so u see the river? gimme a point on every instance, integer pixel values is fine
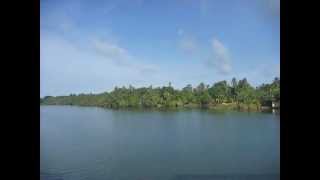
(78, 143)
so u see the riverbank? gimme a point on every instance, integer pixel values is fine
(216, 107)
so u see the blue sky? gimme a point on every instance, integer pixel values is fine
(93, 46)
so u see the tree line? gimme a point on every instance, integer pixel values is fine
(236, 94)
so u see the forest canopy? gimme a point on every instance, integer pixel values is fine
(236, 94)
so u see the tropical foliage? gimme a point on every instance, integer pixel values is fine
(237, 93)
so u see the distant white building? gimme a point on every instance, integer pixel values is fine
(275, 104)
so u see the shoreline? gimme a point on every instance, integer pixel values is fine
(219, 107)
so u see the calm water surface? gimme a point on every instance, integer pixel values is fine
(78, 143)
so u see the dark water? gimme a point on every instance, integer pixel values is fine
(80, 143)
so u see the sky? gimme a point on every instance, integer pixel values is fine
(91, 46)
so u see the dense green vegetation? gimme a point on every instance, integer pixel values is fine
(221, 95)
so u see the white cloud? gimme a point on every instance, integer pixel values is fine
(220, 58)
(66, 68)
(121, 57)
(111, 51)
